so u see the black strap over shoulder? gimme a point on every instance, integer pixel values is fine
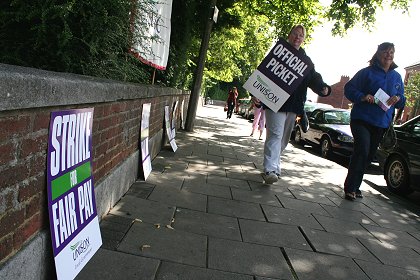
(399, 113)
(396, 116)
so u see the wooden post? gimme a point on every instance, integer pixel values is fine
(153, 76)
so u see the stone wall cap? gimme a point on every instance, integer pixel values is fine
(24, 87)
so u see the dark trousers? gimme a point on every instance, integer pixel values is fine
(231, 106)
(366, 141)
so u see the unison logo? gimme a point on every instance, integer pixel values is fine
(264, 88)
(79, 248)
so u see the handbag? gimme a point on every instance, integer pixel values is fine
(225, 108)
(389, 140)
(304, 122)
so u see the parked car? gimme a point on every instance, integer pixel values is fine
(401, 163)
(329, 129)
(309, 107)
(244, 104)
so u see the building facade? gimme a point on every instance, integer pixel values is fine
(408, 111)
(337, 98)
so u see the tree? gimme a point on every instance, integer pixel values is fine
(188, 23)
(84, 37)
(283, 15)
(237, 49)
(92, 37)
(412, 93)
(347, 13)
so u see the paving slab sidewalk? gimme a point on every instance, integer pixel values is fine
(205, 213)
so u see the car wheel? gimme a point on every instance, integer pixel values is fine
(397, 175)
(298, 136)
(326, 148)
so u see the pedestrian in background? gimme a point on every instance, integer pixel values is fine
(280, 124)
(231, 101)
(259, 116)
(368, 120)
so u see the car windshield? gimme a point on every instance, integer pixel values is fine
(310, 107)
(337, 117)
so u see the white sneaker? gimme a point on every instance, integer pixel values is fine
(270, 177)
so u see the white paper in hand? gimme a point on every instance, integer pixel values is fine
(381, 97)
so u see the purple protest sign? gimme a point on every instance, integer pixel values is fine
(72, 212)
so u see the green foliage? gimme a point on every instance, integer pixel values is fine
(283, 15)
(185, 34)
(235, 51)
(412, 92)
(188, 21)
(84, 37)
(347, 13)
(216, 93)
(92, 37)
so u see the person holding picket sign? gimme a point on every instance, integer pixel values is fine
(279, 125)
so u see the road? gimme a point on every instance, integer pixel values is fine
(373, 178)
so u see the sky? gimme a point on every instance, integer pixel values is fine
(336, 56)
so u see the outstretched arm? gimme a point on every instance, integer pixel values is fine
(318, 85)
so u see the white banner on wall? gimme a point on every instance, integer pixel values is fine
(154, 50)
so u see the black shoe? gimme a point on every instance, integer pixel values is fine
(349, 196)
(359, 194)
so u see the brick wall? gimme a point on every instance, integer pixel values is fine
(408, 112)
(24, 135)
(337, 98)
(23, 142)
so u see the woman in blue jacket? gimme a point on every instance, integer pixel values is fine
(369, 121)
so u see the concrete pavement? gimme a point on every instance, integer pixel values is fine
(204, 213)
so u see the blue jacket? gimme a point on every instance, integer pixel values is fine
(368, 81)
(295, 103)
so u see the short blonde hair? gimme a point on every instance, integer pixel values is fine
(296, 26)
